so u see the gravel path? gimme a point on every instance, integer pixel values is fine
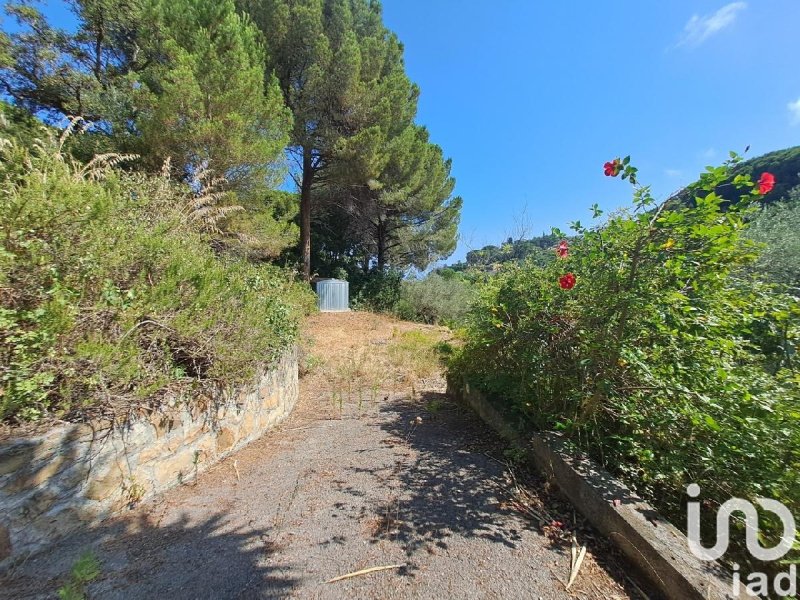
(407, 478)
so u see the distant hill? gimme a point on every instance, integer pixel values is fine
(538, 248)
(784, 164)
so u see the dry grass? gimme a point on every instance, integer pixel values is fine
(359, 357)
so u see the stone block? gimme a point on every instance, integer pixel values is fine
(206, 447)
(103, 487)
(193, 432)
(39, 503)
(164, 424)
(249, 425)
(14, 458)
(264, 420)
(156, 451)
(174, 469)
(5, 543)
(33, 477)
(139, 435)
(226, 438)
(74, 476)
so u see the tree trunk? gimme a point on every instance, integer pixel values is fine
(305, 213)
(381, 244)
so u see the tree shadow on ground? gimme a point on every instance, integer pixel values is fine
(450, 486)
(456, 484)
(140, 559)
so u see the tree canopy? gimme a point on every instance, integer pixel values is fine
(231, 88)
(342, 75)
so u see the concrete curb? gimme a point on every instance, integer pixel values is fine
(658, 550)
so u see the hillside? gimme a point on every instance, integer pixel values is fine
(784, 164)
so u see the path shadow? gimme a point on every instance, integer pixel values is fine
(456, 485)
(138, 559)
(450, 486)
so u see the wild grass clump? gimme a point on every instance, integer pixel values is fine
(110, 291)
(414, 355)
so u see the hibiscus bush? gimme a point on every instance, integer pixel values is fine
(650, 347)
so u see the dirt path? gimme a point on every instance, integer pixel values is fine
(374, 467)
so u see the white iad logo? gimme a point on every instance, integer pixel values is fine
(751, 527)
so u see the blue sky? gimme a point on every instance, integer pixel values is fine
(529, 98)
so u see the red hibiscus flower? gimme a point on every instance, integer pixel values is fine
(563, 249)
(612, 168)
(766, 183)
(567, 282)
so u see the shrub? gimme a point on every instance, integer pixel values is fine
(776, 227)
(109, 291)
(435, 299)
(646, 346)
(378, 291)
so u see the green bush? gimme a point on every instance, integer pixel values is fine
(435, 299)
(663, 361)
(777, 227)
(109, 290)
(377, 291)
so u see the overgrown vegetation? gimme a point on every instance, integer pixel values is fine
(110, 291)
(373, 357)
(232, 88)
(439, 298)
(136, 255)
(654, 345)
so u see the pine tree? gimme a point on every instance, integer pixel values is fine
(342, 76)
(415, 214)
(161, 78)
(209, 104)
(405, 216)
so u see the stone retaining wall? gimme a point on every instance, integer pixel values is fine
(75, 475)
